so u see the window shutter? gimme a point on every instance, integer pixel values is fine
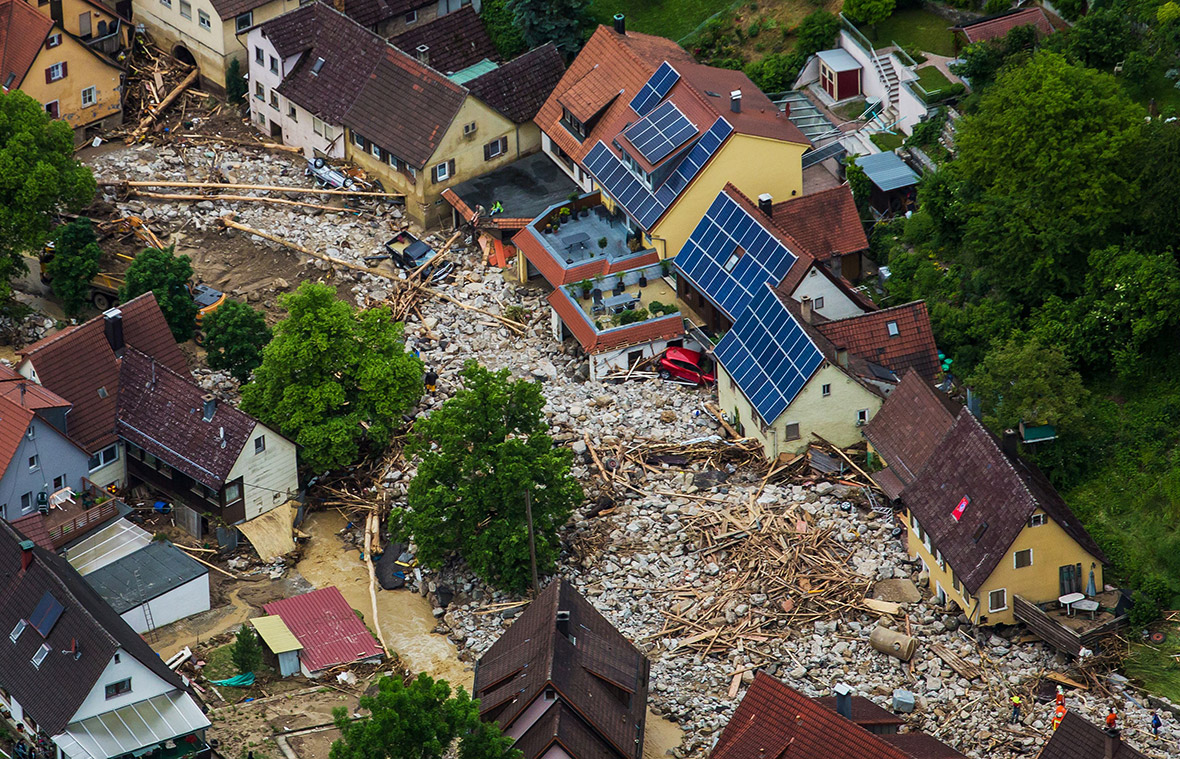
(49, 75)
(65, 70)
(503, 145)
(487, 152)
(451, 169)
(434, 174)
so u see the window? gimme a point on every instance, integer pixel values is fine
(8, 80)
(1036, 520)
(274, 65)
(941, 561)
(862, 416)
(51, 109)
(318, 66)
(89, 95)
(55, 72)
(469, 129)
(260, 444)
(791, 431)
(31, 432)
(53, 41)
(317, 125)
(259, 91)
(412, 17)
(997, 600)
(259, 56)
(572, 124)
(358, 140)
(893, 330)
(979, 532)
(116, 658)
(233, 492)
(186, 9)
(39, 657)
(292, 113)
(495, 148)
(274, 100)
(26, 503)
(107, 455)
(376, 151)
(443, 171)
(34, 463)
(817, 303)
(203, 20)
(328, 133)
(244, 22)
(826, 390)
(16, 631)
(1022, 559)
(166, 3)
(119, 688)
(59, 482)
(734, 257)
(102, 392)
(955, 581)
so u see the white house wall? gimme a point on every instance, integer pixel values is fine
(145, 684)
(178, 603)
(580, 178)
(837, 304)
(269, 478)
(299, 131)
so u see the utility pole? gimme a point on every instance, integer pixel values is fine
(528, 511)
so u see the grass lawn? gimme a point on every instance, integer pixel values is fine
(887, 142)
(933, 80)
(673, 19)
(1154, 666)
(1161, 90)
(220, 666)
(914, 28)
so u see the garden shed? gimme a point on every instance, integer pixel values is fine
(839, 73)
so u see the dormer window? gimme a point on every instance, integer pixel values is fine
(572, 124)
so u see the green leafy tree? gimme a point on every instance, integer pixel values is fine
(481, 452)
(235, 335)
(235, 83)
(1154, 172)
(562, 22)
(246, 653)
(869, 12)
(419, 719)
(74, 264)
(167, 275)
(1070, 9)
(858, 182)
(1031, 213)
(1023, 380)
(332, 378)
(1102, 38)
(502, 28)
(38, 179)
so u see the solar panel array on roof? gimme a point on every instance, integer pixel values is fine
(45, 616)
(768, 355)
(622, 185)
(730, 256)
(655, 89)
(661, 132)
(698, 155)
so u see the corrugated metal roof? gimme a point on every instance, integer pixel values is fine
(328, 628)
(887, 171)
(838, 60)
(277, 636)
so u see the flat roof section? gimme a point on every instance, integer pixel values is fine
(161, 567)
(108, 545)
(525, 188)
(838, 60)
(887, 171)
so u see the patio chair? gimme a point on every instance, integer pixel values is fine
(597, 307)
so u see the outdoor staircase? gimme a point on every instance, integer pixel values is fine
(888, 75)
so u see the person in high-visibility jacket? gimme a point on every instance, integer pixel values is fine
(1015, 709)
(1060, 696)
(1058, 715)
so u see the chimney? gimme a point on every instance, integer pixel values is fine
(766, 204)
(26, 554)
(842, 357)
(424, 54)
(113, 328)
(735, 101)
(620, 23)
(844, 701)
(1113, 740)
(1009, 444)
(805, 309)
(563, 622)
(209, 407)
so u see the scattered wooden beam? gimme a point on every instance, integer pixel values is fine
(258, 187)
(230, 575)
(962, 668)
(371, 527)
(154, 113)
(242, 199)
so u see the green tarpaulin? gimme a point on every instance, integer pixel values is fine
(238, 681)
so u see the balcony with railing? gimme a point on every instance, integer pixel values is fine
(109, 40)
(84, 510)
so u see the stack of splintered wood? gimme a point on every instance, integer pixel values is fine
(777, 568)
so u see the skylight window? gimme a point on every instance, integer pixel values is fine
(319, 64)
(733, 259)
(893, 330)
(979, 532)
(16, 631)
(39, 657)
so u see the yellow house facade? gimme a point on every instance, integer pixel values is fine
(90, 21)
(73, 82)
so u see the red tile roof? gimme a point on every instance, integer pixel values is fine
(908, 429)
(773, 718)
(78, 364)
(922, 746)
(162, 412)
(405, 107)
(1075, 738)
(864, 711)
(327, 627)
(518, 88)
(868, 335)
(22, 31)
(826, 222)
(27, 393)
(32, 526)
(592, 341)
(14, 422)
(455, 41)
(994, 28)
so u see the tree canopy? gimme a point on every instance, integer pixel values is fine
(167, 275)
(419, 719)
(235, 335)
(481, 452)
(246, 652)
(333, 379)
(38, 179)
(1024, 381)
(562, 22)
(74, 264)
(870, 12)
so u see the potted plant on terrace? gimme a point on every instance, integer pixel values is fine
(563, 215)
(586, 286)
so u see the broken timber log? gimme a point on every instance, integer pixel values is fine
(240, 199)
(258, 187)
(154, 113)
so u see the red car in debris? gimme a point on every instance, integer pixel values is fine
(686, 365)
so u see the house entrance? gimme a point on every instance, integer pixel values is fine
(1070, 577)
(276, 131)
(182, 54)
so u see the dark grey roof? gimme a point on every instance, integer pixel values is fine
(161, 567)
(52, 693)
(520, 87)
(525, 188)
(455, 41)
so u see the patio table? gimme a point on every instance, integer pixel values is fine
(1087, 605)
(617, 303)
(578, 238)
(1069, 599)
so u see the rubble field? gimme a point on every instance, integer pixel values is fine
(649, 562)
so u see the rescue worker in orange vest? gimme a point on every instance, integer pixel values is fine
(1060, 696)
(1058, 715)
(1111, 719)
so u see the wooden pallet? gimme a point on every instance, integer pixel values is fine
(962, 668)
